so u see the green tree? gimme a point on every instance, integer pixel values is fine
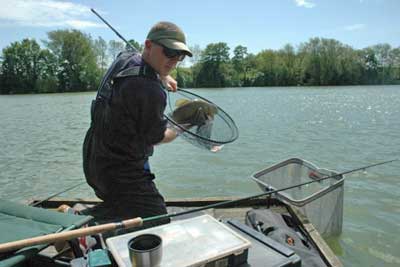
(383, 53)
(351, 67)
(47, 82)
(214, 70)
(100, 49)
(251, 73)
(184, 77)
(311, 62)
(238, 63)
(266, 66)
(395, 55)
(114, 48)
(329, 51)
(370, 66)
(196, 51)
(135, 44)
(321, 62)
(76, 60)
(21, 67)
(286, 66)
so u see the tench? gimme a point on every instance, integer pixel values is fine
(193, 112)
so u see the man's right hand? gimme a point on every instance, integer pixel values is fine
(169, 83)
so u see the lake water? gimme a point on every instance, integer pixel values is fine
(338, 128)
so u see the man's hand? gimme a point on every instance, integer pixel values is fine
(169, 83)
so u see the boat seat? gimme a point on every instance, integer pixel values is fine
(18, 221)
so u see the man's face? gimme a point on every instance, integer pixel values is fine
(158, 60)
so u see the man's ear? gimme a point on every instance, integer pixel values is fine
(148, 44)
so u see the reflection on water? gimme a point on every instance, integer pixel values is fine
(334, 244)
(338, 128)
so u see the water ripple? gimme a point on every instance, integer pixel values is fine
(338, 128)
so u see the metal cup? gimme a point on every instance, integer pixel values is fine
(145, 250)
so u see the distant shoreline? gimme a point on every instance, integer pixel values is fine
(26, 67)
(220, 88)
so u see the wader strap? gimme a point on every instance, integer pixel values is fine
(132, 71)
(142, 71)
(121, 62)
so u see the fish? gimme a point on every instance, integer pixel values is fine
(196, 112)
(193, 112)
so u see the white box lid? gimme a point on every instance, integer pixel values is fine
(190, 242)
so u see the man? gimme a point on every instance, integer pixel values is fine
(127, 121)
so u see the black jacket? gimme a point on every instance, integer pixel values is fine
(127, 120)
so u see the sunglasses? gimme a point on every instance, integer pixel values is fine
(172, 53)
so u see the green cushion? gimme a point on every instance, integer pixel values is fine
(19, 221)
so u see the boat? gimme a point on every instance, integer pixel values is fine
(235, 212)
(258, 224)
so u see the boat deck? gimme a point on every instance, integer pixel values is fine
(236, 211)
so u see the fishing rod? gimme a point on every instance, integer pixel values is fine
(136, 222)
(134, 49)
(114, 30)
(270, 192)
(56, 194)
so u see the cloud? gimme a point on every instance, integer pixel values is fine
(354, 27)
(45, 13)
(304, 3)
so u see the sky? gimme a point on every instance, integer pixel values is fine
(255, 24)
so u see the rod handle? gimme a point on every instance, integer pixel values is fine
(68, 235)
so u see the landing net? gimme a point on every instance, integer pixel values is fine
(201, 122)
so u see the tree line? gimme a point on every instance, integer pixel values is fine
(318, 62)
(72, 61)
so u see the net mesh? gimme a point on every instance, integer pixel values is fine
(321, 202)
(201, 122)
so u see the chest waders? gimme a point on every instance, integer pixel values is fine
(101, 109)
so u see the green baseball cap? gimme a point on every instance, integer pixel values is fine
(169, 35)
